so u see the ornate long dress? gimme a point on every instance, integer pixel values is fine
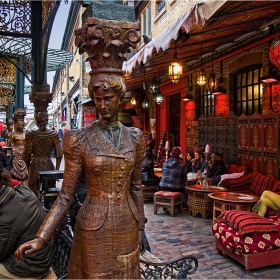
(105, 244)
(37, 151)
(19, 170)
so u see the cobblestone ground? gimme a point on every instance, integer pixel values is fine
(183, 235)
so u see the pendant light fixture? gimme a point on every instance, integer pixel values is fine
(213, 82)
(145, 104)
(188, 96)
(175, 70)
(201, 78)
(159, 97)
(133, 99)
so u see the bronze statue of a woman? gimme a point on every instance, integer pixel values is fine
(109, 229)
(16, 140)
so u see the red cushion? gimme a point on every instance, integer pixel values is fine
(276, 186)
(247, 223)
(260, 183)
(233, 168)
(169, 194)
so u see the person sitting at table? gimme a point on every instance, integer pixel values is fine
(200, 161)
(148, 177)
(174, 175)
(216, 168)
(268, 199)
(189, 160)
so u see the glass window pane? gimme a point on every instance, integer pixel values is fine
(244, 97)
(144, 23)
(149, 20)
(256, 92)
(250, 91)
(250, 103)
(238, 80)
(256, 76)
(244, 82)
(256, 106)
(238, 94)
(249, 80)
(244, 107)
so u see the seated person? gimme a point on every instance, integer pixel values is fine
(189, 160)
(267, 199)
(200, 161)
(174, 175)
(148, 177)
(216, 168)
(21, 216)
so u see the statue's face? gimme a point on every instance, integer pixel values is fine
(20, 126)
(42, 121)
(107, 103)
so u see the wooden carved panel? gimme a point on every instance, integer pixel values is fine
(255, 163)
(243, 136)
(231, 137)
(270, 167)
(243, 159)
(256, 137)
(270, 133)
(220, 136)
(211, 135)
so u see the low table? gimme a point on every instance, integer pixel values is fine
(198, 200)
(224, 201)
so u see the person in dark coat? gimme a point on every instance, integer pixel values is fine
(148, 177)
(200, 162)
(3, 158)
(174, 175)
(20, 219)
(216, 168)
(189, 160)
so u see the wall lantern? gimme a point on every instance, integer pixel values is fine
(213, 82)
(201, 78)
(175, 70)
(145, 104)
(269, 79)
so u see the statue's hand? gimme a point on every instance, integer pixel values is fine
(142, 242)
(29, 247)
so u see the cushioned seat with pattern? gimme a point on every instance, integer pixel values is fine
(250, 239)
(168, 200)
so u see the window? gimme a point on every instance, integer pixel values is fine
(248, 91)
(160, 5)
(145, 23)
(207, 101)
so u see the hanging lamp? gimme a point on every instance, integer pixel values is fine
(188, 95)
(201, 78)
(133, 99)
(175, 70)
(159, 97)
(213, 82)
(145, 104)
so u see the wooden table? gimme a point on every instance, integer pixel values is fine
(224, 201)
(158, 172)
(198, 200)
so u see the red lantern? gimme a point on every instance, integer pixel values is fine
(274, 52)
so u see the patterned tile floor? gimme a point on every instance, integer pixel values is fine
(183, 234)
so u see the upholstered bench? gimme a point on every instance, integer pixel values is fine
(168, 200)
(148, 191)
(248, 238)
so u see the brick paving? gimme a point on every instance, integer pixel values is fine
(182, 235)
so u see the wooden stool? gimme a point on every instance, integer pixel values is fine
(168, 200)
(148, 191)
